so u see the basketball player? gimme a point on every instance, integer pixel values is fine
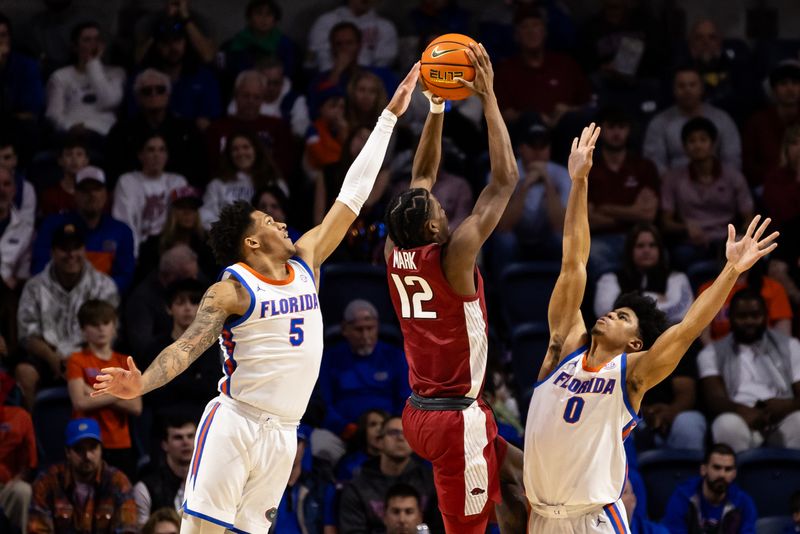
(266, 308)
(591, 386)
(437, 292)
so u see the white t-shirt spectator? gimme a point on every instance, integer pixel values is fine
(675, 301)
(220, 193)
(141, 202)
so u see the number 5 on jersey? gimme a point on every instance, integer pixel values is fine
(296, 334)
(413, 309)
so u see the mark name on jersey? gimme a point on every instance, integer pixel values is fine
(271, 308)
(404, 259)
(593, 385)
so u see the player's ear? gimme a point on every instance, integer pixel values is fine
(432, 227)
(635, 345)
(251, 242)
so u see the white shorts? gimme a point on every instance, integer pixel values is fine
(241, 463)
(610, 519)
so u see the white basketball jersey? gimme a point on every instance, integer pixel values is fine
(577, 423)
(273, 351)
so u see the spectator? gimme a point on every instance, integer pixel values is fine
(84, 96)
(83, 494)
(246, 167)
(272, 200)
(361, 371)
(60, 197)
(751, 379)
(764, 132)
(98, 322)
(152, 91)
(645, 268)
(176, 16)
(438, 17)
(547, 83)
(379, 48)
(327, 134)
(260, 40)
(48, 325)
(402, 512)
(712, 502)
(663, 141)
(281, 101)
(24, 193)
(639, 524)
(163, 521)
(782, 185)
(623, 190)
(141, 197)
(531, 226)
(700, 199)
(109, 242)
(146, 314)
(162, 487)
(17, 458)
(16, 235)
(497, 394)
(361, 507)
(195, 91)
(363, 445)
(47, 36)
(784, 264)
(366, 98)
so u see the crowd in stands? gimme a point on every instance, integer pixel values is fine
(117, 153)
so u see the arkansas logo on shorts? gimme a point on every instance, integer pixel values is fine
(271, 514)
(477, 491)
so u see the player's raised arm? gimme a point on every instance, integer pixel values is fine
(220, 301)
(646, 369)
(318, 243)
(429, 150)
(567, 329)
(471, 234)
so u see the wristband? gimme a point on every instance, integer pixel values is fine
(435, 108)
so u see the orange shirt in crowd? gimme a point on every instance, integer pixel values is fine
(17, 442)
(113, 423)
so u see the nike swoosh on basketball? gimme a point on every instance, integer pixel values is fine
(439, 53)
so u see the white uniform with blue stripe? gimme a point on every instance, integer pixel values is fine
(575, 462)
(247, 439)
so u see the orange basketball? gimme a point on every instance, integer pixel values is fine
(443, 60)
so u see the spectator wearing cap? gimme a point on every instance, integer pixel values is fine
(547, 83)
(531, 226)
(623, 190)
(273, 132)
(48, 324)
(109, 242)
(60, 196)
(195, 90)
(700, 199)
(17, 457)
(82, 494)
(141, 197)
(361, 372)
(16, 236)
(178, 17)
(762, 136)
(24, 193)
(84, 96)
(662, 140)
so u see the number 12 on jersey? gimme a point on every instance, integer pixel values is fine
(413, 309)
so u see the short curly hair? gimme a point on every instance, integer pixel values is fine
(227, 233)
(652, 321)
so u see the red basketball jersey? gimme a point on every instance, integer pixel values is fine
(445, 333)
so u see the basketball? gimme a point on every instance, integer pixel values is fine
(443, 60)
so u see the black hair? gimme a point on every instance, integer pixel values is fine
(529, 11)
(173, 419)
(652, 321)
(686, 67)
(189, 287)
(142, 141)
(7, 141)
(386, 422)
(96, 312)
(5, 21)
(74, 140)
(719, 448)
(227, 233)
(273, 6)
(359, 440)
(406, 216)
(401, 489)
(630, 277)
(613, 115)
(747, 294)
(698, 124)
(77, 30)
(349, 26)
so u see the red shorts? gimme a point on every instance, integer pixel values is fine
(466, 454)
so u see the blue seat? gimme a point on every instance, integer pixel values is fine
(528, 349)
(769, 476)
(344, 282)
(773, 525)
(525, 290)
(52, 410)
(662, 470)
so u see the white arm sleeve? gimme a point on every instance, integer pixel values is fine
(362, 173)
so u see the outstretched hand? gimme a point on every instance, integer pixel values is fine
(749, 249)
(121, 383)
(483, 83)
(580, 158)
(402, 96)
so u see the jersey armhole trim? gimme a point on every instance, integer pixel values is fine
(625, 398)
(305, 266)
(252, 306)
(569, 357)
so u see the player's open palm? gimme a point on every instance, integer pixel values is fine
(402, 96)
(580, 158)
(749, 249)
(483, 83)
(121, 383)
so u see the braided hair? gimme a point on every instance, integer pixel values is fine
(406, 216)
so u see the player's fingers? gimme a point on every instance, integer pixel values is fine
(769, 239)
(584, 136)
(595, 135)
(113, 371)
(465, 82)
(575, 144)
(132, 364)
(762, 229)
(99, 393)
(752, 227)
(764, 252)
(731, 233)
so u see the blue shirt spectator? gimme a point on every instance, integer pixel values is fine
(21, 90)
(361, 373)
